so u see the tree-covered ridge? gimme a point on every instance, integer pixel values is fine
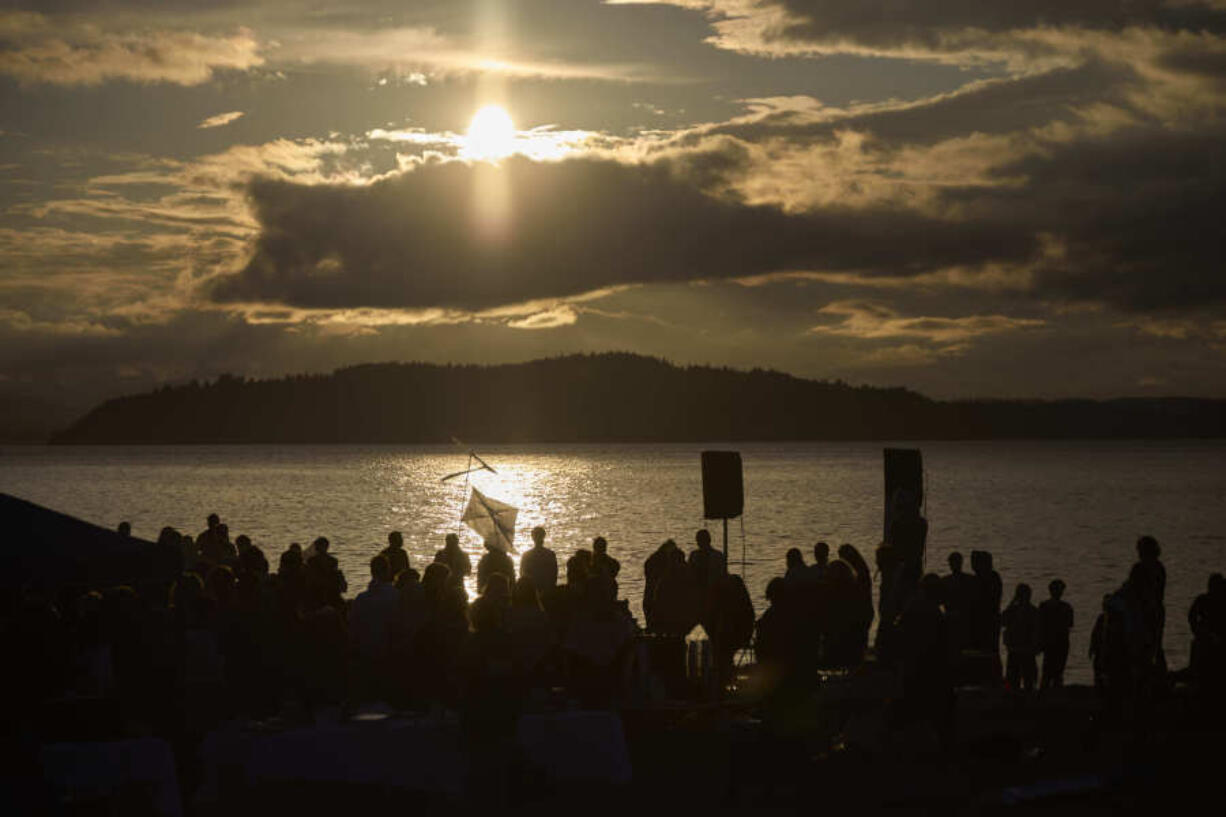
(605, 397)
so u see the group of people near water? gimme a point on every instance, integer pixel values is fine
(230, 636)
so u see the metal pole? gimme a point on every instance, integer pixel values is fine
(725, 544)
(464, 498)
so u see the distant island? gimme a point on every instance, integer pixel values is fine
(610, 397)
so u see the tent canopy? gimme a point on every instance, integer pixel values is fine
(47, 547)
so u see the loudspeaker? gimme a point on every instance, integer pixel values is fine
(723, 492)
(904, 471)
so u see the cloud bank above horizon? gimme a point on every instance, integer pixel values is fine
(967, 199)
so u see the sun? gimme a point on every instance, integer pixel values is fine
(491, 134)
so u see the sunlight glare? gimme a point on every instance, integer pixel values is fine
(491, 134)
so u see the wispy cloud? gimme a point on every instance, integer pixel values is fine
(871, 321)
(421, 52)
(38, 49)
(221, 119)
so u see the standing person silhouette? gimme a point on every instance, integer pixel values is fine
(1021, 625)
(1055, 621)
(1149, 576)
(456, 560)
(901, 560)
(654, 568)
(708, 568)
(540, 564)
(602, 561)
(706, 562)
(397, 559)
(989, 593)
(1207, 620)
(821, 558)
(958, 592)
(495, 561)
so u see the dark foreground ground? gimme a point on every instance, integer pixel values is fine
(830, 751)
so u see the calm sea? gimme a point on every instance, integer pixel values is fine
(1045, 509)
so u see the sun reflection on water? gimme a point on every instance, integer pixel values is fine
(537, 489)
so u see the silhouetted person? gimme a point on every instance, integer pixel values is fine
(227, 549)
(777, 644)
(988, 597)
(602, 561)
(205, 540)
(491, 692)
(434, 581)
(1021, 628)
(124, 529)
(413, 606)
(1149, 579)
(597, 643)
(677, 605)
(806, 602)
(1098, 645)
(397, 559)
(864, 585)
(843, 606)
(1138, 610)
(583, 565)
(403, 683)
(489, 612)
(455, 558)
(1055, 621)
(732, 624)
(706, 563)
(252, 562)
(539, 563)
(821, 558)
(531, 633)
(495, 560)
(324, 581)
(209, 541)
(373, 619)
(959, 592)
(439, 645)
(189, 553)
(797, 572)
(654, 568)
(1207, 620)
(289, 589)
(923, 650)
(902, 558)
(167, 560)
(562, 602)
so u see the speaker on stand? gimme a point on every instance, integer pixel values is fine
(723, 489)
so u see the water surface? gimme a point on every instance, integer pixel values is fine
(1045, 509)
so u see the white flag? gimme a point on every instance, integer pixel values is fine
(494, 521)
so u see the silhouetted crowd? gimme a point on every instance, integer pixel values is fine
(231, 637)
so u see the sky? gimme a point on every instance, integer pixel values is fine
(970, 199)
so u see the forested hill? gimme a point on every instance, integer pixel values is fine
(607, 397)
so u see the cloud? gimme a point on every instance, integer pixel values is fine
(1022, 34)
(563, 315)
(221, 119)
(872, 321)
(416, 239)
(37, 49)
(422, 52)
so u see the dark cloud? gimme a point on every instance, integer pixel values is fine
(571, 227)
(942, 26)
(1139, 213)
(892, 20)
(994, 106)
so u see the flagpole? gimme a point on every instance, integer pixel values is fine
(464, 496)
